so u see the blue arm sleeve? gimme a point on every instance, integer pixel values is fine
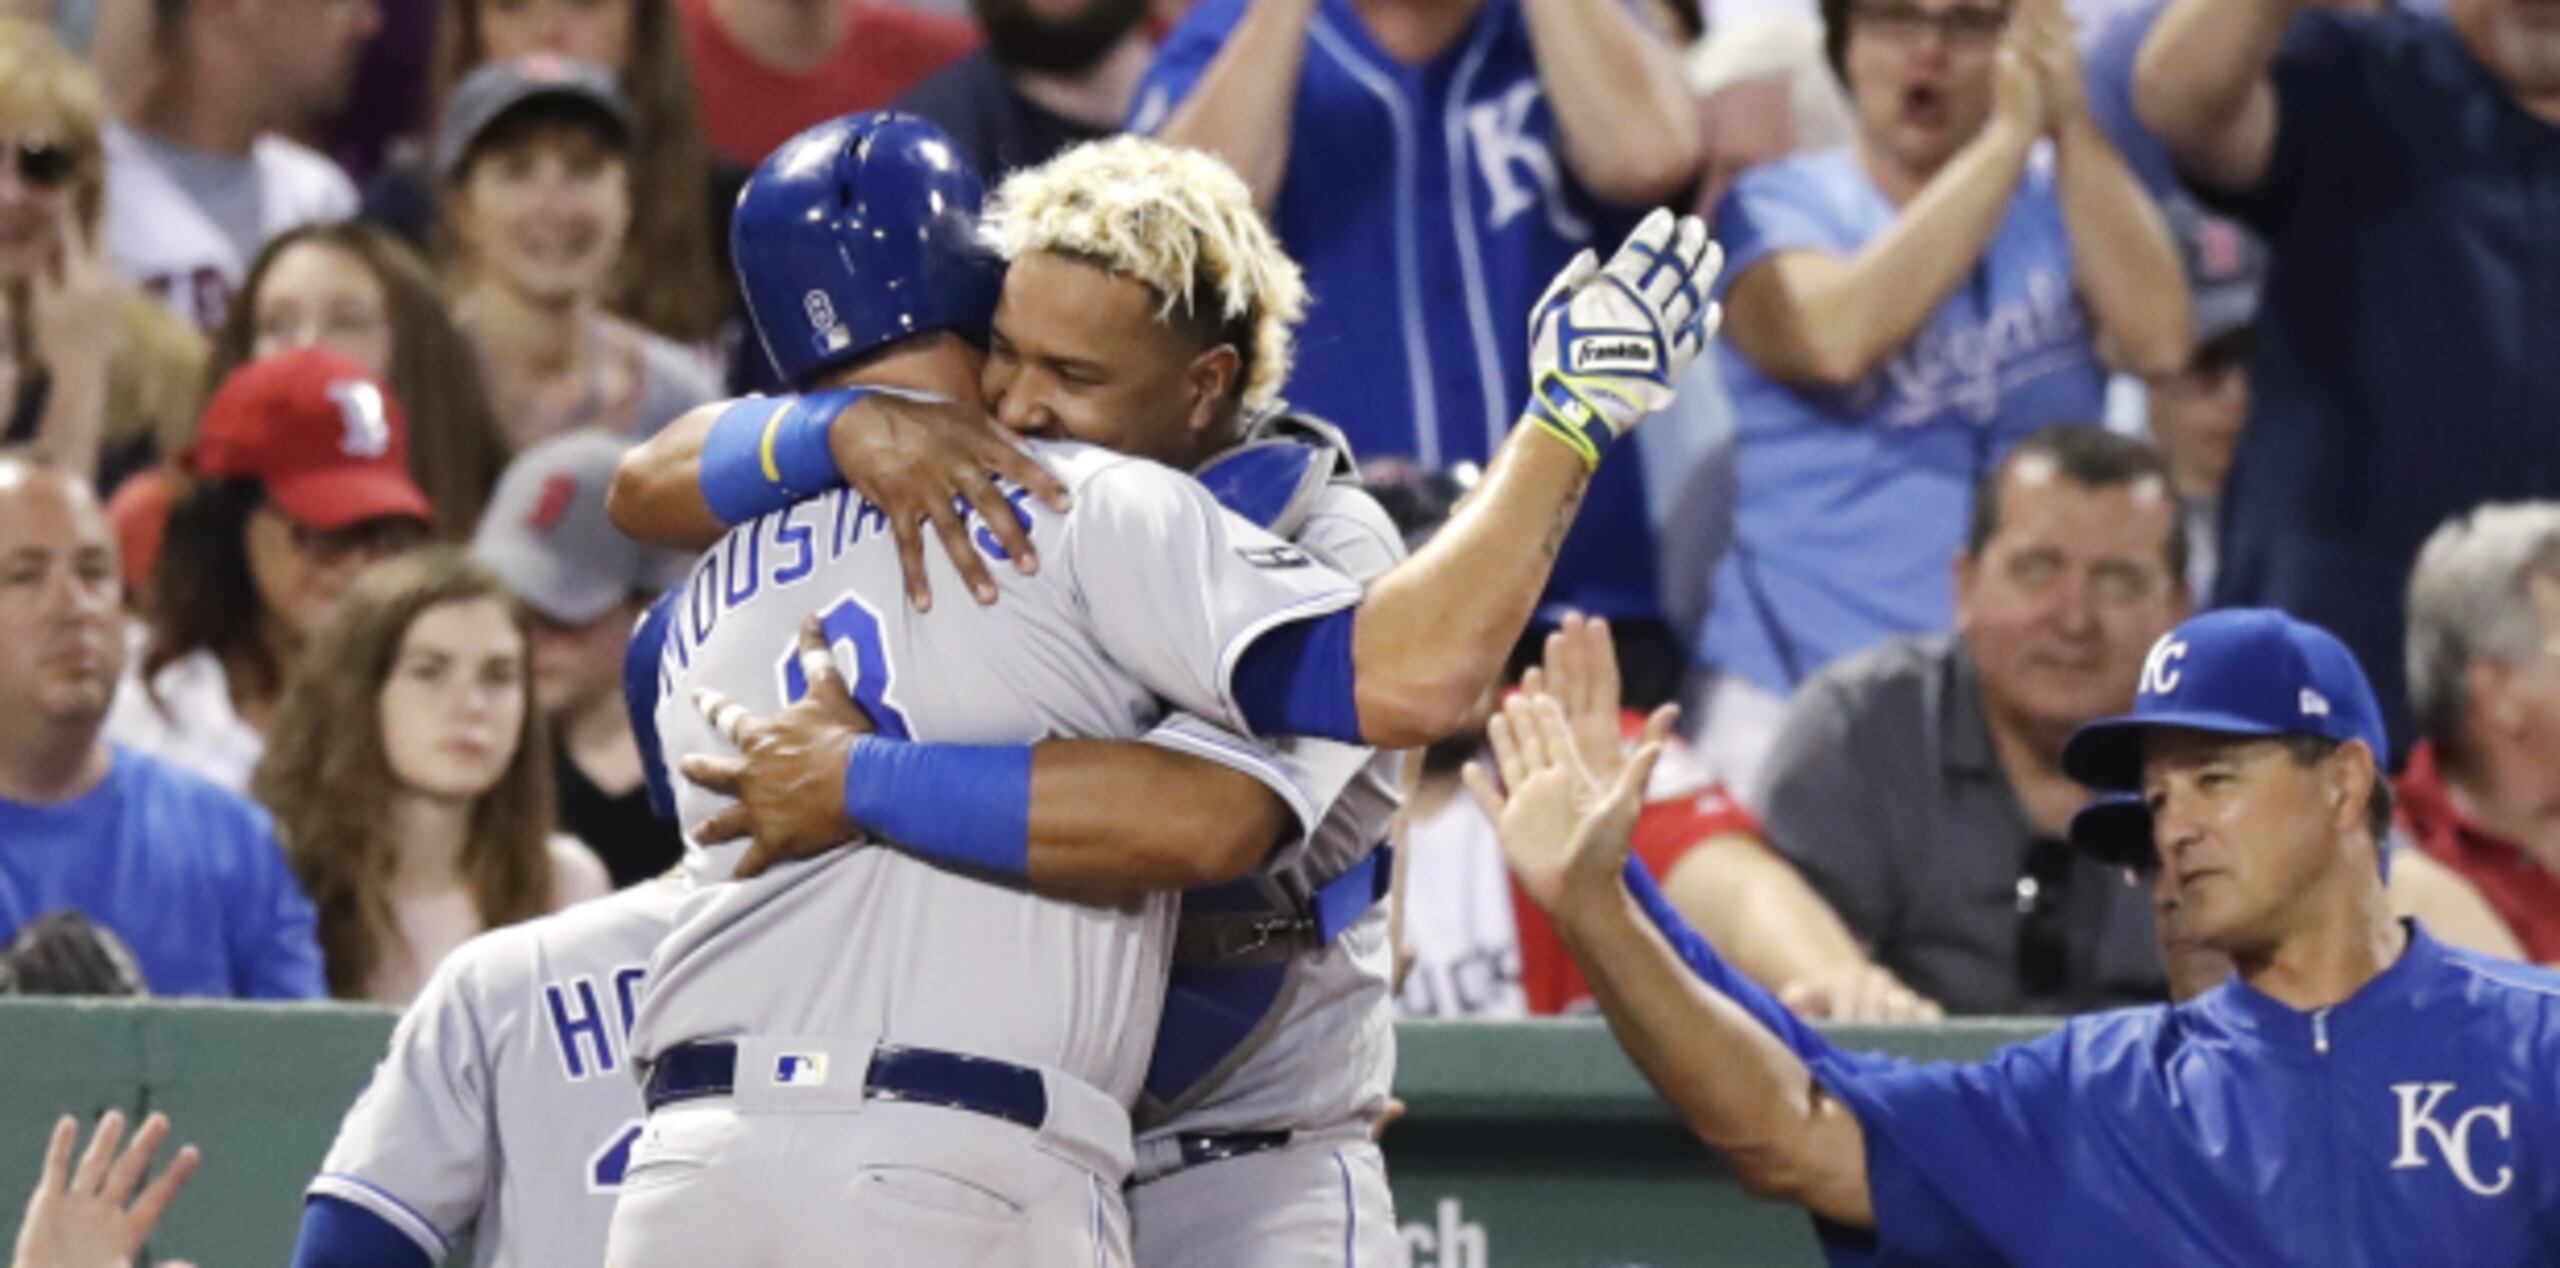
(1297, 679)
(959, 804)
(765, 453)
(338, 1234)
(1710, 968)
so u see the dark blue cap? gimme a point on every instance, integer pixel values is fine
(2240, 671)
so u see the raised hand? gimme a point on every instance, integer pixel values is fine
(1606, 343)
(1564, 833)
(2051, 48)
(82, 1218)
(788, 777)
(1581, 671)
(72, 300)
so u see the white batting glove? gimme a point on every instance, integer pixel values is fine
(1607, 343)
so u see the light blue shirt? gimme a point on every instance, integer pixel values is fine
(1853, 502)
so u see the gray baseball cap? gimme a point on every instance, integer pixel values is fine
(545, 533)
(497, 89)
(2226, 267)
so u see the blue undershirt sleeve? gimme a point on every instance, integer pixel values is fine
(1298, 680)
(340, 1234)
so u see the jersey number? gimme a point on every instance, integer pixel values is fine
(852, 621)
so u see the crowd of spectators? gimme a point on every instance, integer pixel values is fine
(2046, 324)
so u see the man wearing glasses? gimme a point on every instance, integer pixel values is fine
(1906, 308)
(2357, 1093)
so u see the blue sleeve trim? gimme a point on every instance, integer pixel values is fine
(340, 1234)
(765, 453)
(963, 805)
(1297, 679)
(1710, 968)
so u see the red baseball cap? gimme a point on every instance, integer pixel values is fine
(326, 439)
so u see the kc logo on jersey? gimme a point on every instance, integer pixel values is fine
(2418, 1124)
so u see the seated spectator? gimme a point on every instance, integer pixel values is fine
(1919, 784)
(1049, 77)
(2194, 412)
(2482, 790)
(410, 776)
(2396, 165)
(1431, 167)
(300, 481)
(768, 68)
(534, 159)
(673, 275)
(188, 875)
(199, 173)
(88, 365)
(355, 290)
(1898, 314)
(585, 586)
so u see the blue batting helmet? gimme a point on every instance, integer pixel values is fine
(857, 233)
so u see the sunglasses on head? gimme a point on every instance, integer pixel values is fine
(44, 164)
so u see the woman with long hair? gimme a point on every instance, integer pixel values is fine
(410, 777)
(299, 481)
(364, 294)
(535, 160)
(672, 276)
(89, 366)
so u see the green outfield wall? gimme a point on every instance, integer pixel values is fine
(1527, 1143)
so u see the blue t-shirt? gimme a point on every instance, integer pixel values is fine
(186, 872)
(2416, 1123)
(1430, 206)
(2408, 340)
(2107, 52)
(1853, 502)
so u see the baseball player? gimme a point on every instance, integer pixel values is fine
(1030, 1013)
(2357, 1093)
(506, 1107)
(1278, 1042)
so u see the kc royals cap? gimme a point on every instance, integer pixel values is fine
(546, 535)
(2241, 671)
(326, 439)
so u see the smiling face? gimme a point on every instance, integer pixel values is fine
(2068, 594)
(1079, 353)
(1920, 75)
(454, 707)
(543, 210)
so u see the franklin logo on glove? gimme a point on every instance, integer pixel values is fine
(1619, 356)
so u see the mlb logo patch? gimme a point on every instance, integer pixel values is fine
(799, 1069)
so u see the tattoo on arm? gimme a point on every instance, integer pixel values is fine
(1563, 521)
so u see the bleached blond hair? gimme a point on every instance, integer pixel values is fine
(1174, 220)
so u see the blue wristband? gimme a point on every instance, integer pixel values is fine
(963, 805)
(765, 453)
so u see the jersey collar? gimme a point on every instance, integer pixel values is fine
(2387, 1004)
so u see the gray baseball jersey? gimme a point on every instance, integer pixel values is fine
(506, 1105)
(1323, 1055)
(1147, 594)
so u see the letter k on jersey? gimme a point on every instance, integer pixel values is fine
(2418, 1103)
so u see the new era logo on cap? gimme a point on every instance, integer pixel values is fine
(2314, 705)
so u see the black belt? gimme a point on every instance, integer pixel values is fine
(924, 1076)
(1199, 1148)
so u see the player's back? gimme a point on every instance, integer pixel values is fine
(507, 1106)
(1145, 592)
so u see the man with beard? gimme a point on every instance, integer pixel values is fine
(2402, 168)
(1052, 74)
